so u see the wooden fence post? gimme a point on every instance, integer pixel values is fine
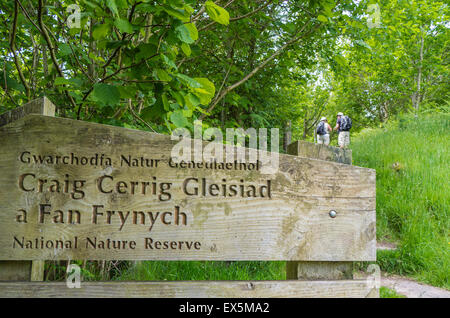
(320, 270)
(25, 270)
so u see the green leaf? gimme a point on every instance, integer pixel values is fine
(322, 18)
(176, 3)
(290, 27)
(186, 49)
(183, 34)
(123, 25)
(178, 119)
(192, 31)
(127, 91)
(177, 13)
(340, 60)
(206, 92)
(111, 4)
(162, 75)
(74, 82)
(178, 97)
(100, 31)
(73, 31)
(165, 102)
(61, 81)
(64, 49)
(192, 100)
(328, 8)
(168, 61)
(174, 106)
(11, 83)
(189, 81)
(96, 58)
(188, 9)
(122, 4)
(216, 13)
(146, 50)
(156, 111)
(115, 44)
(187, 113)
(364, 44)
(106, 94)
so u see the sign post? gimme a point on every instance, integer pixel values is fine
(72, 190)
(25, 270)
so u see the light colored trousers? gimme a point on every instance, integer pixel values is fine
(344, 138)
(323, 139)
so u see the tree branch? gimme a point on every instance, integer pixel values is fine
(78, 62)
(86, 95)
(28, 16)
(130, 107)
(12, 44)
(252, 12)
(52, 49)
(262, 65)
(240, 17)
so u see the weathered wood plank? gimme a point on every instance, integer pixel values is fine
(37, 271)
(24, 270)
(15, 270)
(322, 152)
(192, 289)
(319, 270)
(40, 106)
(292, 224)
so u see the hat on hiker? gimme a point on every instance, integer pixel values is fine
(340, 114)
(323, 118)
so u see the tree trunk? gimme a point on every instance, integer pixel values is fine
(305, 126)
(287, 135)
(419, 76)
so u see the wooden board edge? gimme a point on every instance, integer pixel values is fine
(151, 134)
(193, 289)
(40, 106)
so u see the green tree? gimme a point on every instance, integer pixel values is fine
(159, 64)
(398, 66)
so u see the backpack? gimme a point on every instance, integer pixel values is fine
(321, 128)
(346, 123)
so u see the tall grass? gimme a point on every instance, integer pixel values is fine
(208, 270)
(411, 157)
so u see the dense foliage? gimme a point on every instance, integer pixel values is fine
(158, 65)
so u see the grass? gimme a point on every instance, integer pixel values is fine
(389, 293)
(411, 158)
(208, 270)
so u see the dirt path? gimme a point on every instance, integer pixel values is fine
(412, 289)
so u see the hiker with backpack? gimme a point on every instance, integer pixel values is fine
(323, 132)
(343, 125)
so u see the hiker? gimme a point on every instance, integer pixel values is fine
(343, 125)
(323, 132)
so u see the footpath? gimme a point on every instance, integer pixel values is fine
(407, 286)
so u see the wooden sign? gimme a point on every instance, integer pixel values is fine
(79, 190)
